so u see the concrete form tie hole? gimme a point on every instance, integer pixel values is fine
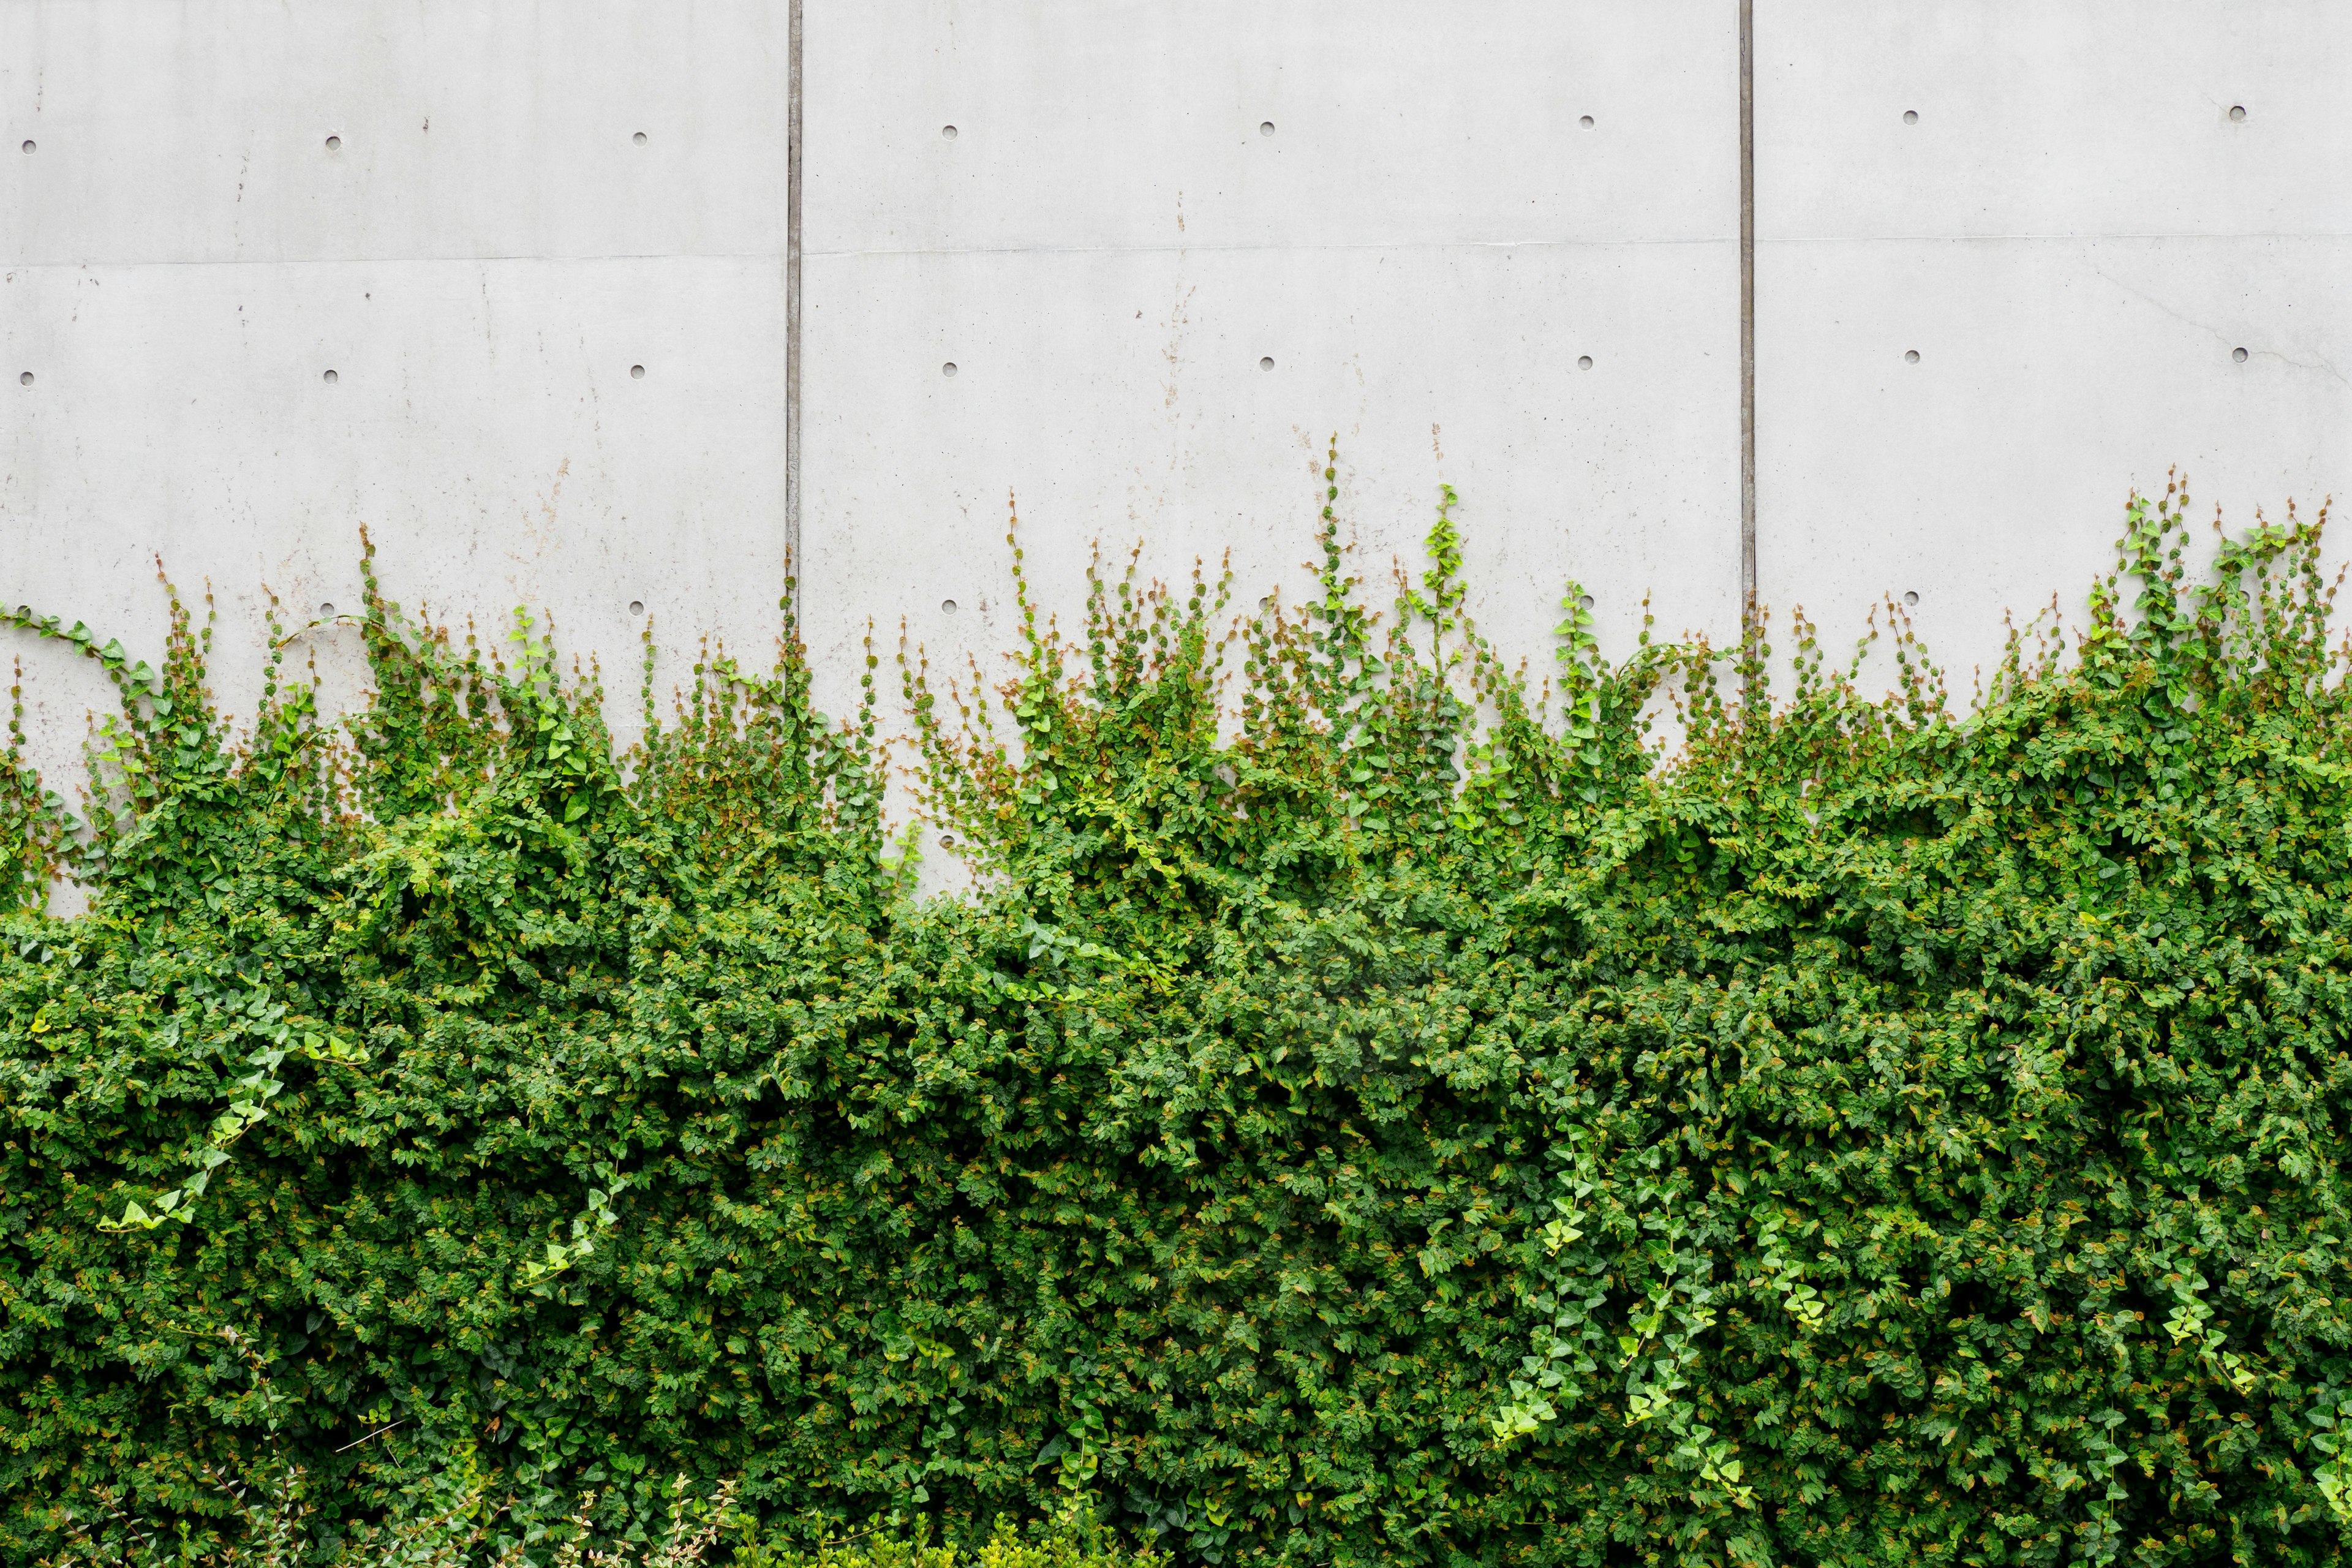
(26, 379)
(1585, 122)
(1910, 117)
(637, 607)
(325, 610)
(331, 378)
(1584, 601)
(1912, 597)
(2237, 111)
(1266, 364)
(639, 139)
(334, 143)
(948, 369)
(1266, 129)
(1910, 356)
(29, 146)
(2238, 355)
(947, 607)
(947, 132)
(947, 840)
(636, 373)
(1584, 361)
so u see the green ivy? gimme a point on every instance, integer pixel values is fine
(1060, 1542)
(1377, 1108)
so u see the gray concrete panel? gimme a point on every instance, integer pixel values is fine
(1081, 122)
(2080, 119)
(484, 423)
(2075, 236)
(1121, 395)
(198, 131)
(2053, 376)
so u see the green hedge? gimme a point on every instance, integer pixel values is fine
(1053, 1543)
(1379, 1115)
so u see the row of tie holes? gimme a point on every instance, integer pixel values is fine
(1266, 128)
(1583, 362)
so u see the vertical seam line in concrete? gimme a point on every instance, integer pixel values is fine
(795, 570)
(1748, 632)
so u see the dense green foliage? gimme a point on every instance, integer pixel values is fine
(1060, 1542)
(1388, 1116)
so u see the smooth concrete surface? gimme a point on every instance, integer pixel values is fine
(2074, 234)
(1092, 123)
(2074, 119)
(465, 129)
(1121, 396)
(484, 424)
(2054, 377)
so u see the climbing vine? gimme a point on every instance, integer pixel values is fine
(1397, 1113)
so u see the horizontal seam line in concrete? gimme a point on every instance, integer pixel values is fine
(1182, 249)
(88, 263)
(2077, 238)
(778, 256)
(1547, 244)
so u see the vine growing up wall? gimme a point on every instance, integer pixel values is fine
(1392, 1119)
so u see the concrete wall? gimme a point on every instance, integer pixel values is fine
(1456, 208)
